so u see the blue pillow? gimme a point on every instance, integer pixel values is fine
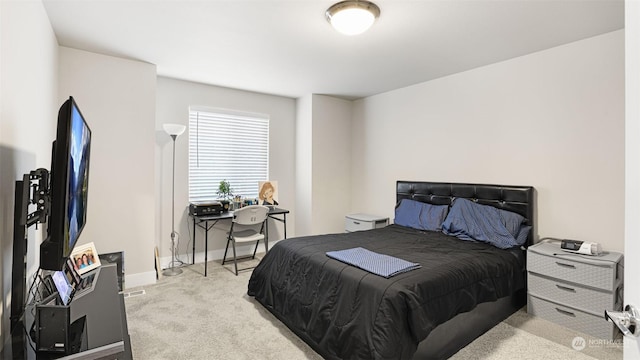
(512, 221)
(523, 234)
(421, 216)
(468, 220)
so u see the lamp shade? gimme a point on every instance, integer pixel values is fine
(352, 17)
(174, 129)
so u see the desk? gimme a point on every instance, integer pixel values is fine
(211, 220)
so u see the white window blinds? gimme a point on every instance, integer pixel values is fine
(227, 145)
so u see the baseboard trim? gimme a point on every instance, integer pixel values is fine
(218, 254)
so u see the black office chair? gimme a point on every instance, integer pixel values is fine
(243, 229)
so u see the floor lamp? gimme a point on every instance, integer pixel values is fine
(174, 130)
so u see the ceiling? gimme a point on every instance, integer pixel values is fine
(287, 47)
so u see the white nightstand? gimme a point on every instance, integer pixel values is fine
(359, 222)
(574, 290)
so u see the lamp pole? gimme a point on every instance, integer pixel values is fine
(172, 270)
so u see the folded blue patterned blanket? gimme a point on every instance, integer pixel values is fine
(378, 264)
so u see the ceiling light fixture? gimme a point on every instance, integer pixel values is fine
(352, 17)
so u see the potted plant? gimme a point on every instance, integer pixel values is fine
(224, 190)
(225, 193)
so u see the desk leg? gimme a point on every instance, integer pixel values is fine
(193, 256)
(206, 245)
(266, 235)
(285, 225)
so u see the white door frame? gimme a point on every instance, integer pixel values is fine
(632, 167)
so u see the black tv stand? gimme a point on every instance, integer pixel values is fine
(33, 189)
(105, 334)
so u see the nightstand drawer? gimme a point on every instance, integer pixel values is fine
(575, 319)
(601, 275)
(587, 299)
(359, 222)
(356, 225)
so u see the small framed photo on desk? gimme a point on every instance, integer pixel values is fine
(85, 258)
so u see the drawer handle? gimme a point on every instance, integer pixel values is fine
(566, 265)
(357, 222)
(565, 312)
(565, 288)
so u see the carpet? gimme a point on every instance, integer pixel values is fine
(190, 316)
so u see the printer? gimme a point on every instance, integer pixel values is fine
(206, 208)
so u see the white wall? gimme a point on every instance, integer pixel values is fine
(331, 168)
(117, 98)
(632, 167)
(304, 165)
(173, 100)
(28, 113)
(323, 166)
(552, 119)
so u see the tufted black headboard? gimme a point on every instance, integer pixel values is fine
(518, 199)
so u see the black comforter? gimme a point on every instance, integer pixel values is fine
(347, 313)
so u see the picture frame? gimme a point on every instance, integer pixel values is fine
(85, 258)
(268, 193)
(158, 267)
(71, 272)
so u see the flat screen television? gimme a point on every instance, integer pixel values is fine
(69, 180)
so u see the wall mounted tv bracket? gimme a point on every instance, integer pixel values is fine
(38, 181)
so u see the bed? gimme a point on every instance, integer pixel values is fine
(461, 289)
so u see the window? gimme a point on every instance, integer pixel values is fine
(227, 145)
